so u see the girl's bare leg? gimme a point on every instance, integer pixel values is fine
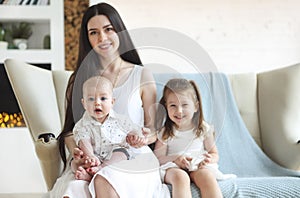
(180, 182)
(207, 183)
(103, 188)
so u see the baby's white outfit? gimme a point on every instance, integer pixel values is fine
(188, 144)
(105, 137)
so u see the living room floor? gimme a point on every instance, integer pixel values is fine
(21, 175)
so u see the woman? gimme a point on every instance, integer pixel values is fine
(105, 48)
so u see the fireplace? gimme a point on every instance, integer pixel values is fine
(10, 114)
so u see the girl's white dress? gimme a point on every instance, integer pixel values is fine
(187, 143)
(134, 178)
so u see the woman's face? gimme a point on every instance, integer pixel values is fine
(102, 36)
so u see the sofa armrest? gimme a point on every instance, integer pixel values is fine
(279, 114)
(48, 153)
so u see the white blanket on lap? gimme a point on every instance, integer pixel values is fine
(135, 178)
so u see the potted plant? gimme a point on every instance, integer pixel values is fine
(3, 42)
(20, 32)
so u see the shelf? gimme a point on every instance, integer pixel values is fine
(26, 12)
(26, 54)
(31, 56)
(47, 20)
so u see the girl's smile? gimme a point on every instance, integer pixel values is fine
(181, 109)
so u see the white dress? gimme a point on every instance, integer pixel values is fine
(134, 178)
(186, 143)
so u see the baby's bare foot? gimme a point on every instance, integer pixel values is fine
(92, 161)
(82, 174)
(93, 170)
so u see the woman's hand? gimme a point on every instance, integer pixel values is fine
(77, 153)
(78, 159)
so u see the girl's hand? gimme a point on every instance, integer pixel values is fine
(207, 160)
(183, 161)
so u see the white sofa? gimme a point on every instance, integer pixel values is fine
(268, 103)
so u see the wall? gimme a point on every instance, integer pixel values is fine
(239, 35)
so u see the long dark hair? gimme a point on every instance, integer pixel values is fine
(88, 64)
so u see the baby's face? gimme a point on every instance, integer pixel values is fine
(97, 100)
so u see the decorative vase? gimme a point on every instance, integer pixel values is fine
(46, 42)
(3, 45)
(20, 43)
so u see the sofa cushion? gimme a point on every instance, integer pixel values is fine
(60, 79)
(244, 89)
(279, 110)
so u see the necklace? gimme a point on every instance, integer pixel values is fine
(118, 75)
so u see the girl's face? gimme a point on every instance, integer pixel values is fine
(102, 36)
(181, 108)
(97, 101)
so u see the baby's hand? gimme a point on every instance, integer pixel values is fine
(135, 140)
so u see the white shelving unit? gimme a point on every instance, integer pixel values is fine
(48, 19)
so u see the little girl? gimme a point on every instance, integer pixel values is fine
(185, 147)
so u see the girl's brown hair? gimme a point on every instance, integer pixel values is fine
(179, 85)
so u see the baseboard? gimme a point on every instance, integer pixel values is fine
(21, 195)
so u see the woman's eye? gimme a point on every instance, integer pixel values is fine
(109, 29)
(93, 32)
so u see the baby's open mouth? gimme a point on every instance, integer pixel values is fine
(98, 110)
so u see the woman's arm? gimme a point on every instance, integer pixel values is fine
(71, 145)
(148, 96)
(77, 154)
